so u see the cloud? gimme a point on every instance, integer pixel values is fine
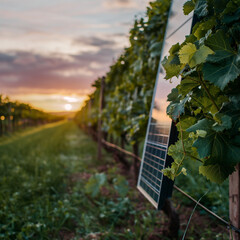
(30, 71)
(94, 41)
(10, 79)
(41, 49)
(71, 72)
(119, 4)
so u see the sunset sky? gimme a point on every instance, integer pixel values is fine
(51, 51)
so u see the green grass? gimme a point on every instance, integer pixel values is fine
(45, 192)
(43, 177)
(34, 172)
(10, 137)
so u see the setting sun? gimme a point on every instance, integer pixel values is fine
(68, 107)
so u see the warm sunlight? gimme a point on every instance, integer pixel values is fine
(68, 107)
(57, 102)
(71, 99)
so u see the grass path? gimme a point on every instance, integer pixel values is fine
(25, 132)
(52, 187)
(33, 176)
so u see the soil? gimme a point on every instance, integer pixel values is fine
(199, 223)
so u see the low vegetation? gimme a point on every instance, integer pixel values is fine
(52, 187)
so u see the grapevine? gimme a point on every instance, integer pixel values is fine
(129, 83)
(206, 103)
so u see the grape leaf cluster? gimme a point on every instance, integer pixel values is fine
(206, 104)
(130, 81)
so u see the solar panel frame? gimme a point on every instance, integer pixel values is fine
(152, 183)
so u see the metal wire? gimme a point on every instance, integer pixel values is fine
(229, 225)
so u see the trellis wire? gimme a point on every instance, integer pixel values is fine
(229, 225)
(189, 220)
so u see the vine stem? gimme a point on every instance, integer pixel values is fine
(177, 174)
(184, 152)
(194, 157)
(181, 131)
(208, 93)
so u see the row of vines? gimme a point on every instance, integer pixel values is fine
(15, 115)
(128, 86)
(206, 104)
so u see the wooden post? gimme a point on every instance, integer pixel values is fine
(234, 202)
(9, 118)
(89, 116)
(174, 223)
(136, 162)
(111, 140)
(123, 141)
(1, 128)
(101, 102)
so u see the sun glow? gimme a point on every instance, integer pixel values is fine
(68, 107)
(56, 102)
(71, 99)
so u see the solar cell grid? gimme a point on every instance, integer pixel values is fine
(152, 183)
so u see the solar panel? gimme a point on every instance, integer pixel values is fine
(161, 132)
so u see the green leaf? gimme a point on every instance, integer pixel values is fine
(220, 55)
(203, 145)
(202, 29)
(218, 147)
(172, 70)
(121, 185)
(220, 5)
(176, 151)
(178, 154)
(224, 72)
(219, 41)
(174, 49)
(185, 122)
(200, 56)
(216, 173)
(169, 172)
(232, 18)
(175, 109)
(201, 133)
(173, 96)
(231, 7)
(204, 124)
(171, 64)
(188, 7)
(225, 123)
(187, 52)
(187, 84)
(201, 8)
(155, 49)
(95, 183)
(184, 171)
(137, 65)
(223, 66)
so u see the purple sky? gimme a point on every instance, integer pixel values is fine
(53, 49)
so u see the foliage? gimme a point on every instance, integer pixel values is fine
(206, 104)
(16, 115)
(43, 180)
(99, 180)
(37, 199)
(129, 84)
(217, 197)
(95, 183)
(35, 169)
